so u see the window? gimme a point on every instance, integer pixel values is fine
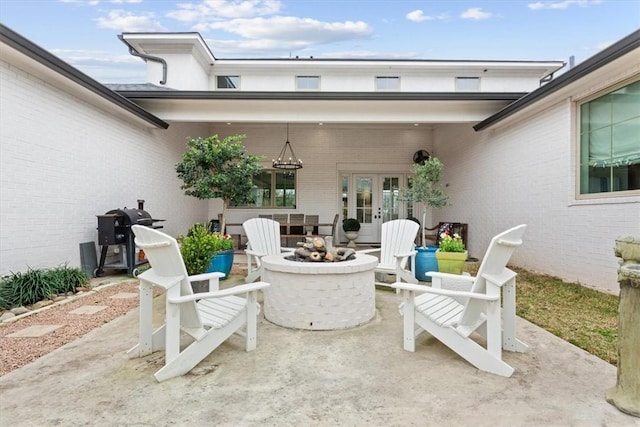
(387, 83)
(610, 141)
(228, 82)
(467, 84)
(307, 82)
(276, 189)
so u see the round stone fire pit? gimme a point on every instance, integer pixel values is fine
(319, 295)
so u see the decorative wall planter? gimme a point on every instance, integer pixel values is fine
(222, 262)
(425, 261)
(451, 262)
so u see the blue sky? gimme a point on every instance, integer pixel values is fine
(84, 32)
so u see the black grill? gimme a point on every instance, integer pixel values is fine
(114, 229)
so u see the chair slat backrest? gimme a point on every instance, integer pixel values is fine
(263, 235)
(282, 219)
(311, 219)
(165, 259)
(397, 237)
(494, 262)
(296, 219)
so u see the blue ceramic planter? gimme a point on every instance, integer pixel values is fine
(222, 262)
(426, 261)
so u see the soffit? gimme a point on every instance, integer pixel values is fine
(326, 111)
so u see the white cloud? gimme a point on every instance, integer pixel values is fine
(475, 13)
(561, 4)
(126, 21)
(219, 9)
(418, 16)
(285, 29)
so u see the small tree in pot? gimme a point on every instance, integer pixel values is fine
(212, 168)
(425, 189)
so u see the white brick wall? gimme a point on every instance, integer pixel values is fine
(524, 174)
(63, 161)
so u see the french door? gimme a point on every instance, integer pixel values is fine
(374, 199)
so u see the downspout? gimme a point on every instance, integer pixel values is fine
(134, 52)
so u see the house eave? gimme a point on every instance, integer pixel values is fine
(326, 96)
(55, 64)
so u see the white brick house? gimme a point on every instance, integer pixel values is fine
(72, 149)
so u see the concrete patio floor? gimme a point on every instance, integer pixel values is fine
(352, 377)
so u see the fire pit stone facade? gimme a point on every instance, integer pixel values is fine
(319, 296)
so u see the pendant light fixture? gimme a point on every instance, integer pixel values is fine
(287, 159)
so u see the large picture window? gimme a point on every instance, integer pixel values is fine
(276, 189)
(610, 142)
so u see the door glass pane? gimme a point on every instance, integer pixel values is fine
(345, 197)
(390, 194)
(364, 208)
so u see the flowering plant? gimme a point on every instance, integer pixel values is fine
(451, 243)
(222, 242)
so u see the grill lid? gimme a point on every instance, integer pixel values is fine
(132, 216)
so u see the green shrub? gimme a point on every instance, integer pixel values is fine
(35, 285)
(351, 224)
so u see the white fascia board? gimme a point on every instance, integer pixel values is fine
(158, 43)
(327, 111)
(539, 69)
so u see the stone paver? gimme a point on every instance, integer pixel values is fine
(88, 309)
(125, 295)
(34, 331)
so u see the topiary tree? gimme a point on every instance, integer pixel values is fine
(425, 188)
(212, 168)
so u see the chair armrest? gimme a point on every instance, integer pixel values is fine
(241, 289)
(287, 249)
(445, 292)
(438, 275)
(408, 254)
(368, 251)
(254, 253)
(205, 276)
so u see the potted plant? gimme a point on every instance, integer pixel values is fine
(351, 226)
(451, 253)
(200, 248)
(197, 249)
(215, 168)
(425, 189)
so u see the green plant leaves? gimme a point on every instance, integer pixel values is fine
(38, 284)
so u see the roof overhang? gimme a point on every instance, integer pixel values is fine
(163, 43)
(52, 69)
(625, 50)
(327, 107)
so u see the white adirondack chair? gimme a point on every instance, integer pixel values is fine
(263, 238)
(397, 250)
(209, 317)
(439, 311)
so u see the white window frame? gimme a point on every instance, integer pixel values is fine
(460, 87)
(307, 79)
(228, 77)
(578, 150)
(379, 79)
(271, 203)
